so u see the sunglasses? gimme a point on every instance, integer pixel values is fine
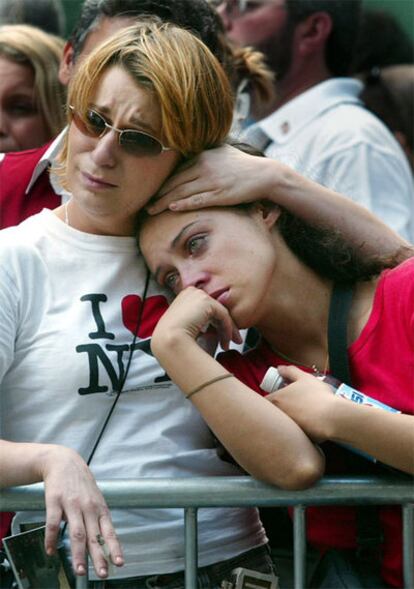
(237, 7)
(93, 124)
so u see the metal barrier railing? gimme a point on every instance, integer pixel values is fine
(192, 493)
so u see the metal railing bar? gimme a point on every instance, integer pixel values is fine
(299, 547)
(82, 582)
(408, 545)
(191, 547)
(225, 492)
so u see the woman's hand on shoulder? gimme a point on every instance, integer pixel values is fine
(224, 176)
(72, 494)
(190, 315)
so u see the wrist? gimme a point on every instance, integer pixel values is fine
(51, 455)
(340, 419)
(278, 181)
(172, 346)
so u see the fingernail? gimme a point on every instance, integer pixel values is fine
(119, 561)
(80, 569)
(173, 206)
(103, 572)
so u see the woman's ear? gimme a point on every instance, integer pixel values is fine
(268, 212)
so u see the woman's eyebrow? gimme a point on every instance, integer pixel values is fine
(180, 233)
(133, 121)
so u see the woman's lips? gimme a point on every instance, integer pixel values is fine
(222, 296)
(95, 182)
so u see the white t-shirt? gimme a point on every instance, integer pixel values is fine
(68, 310)
(327, 135)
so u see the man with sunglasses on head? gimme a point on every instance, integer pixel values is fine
(317, 123)
(26, 187)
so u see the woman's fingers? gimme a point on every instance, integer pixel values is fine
(205, 182)
(72, 494)
(293, 373)
(111, 539)
(77, 535)
(220, 319)
(179, 186)
(53, 522)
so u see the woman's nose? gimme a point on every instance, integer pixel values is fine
(104, 152)
(198, 279)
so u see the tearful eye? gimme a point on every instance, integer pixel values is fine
(171, 281)
(196, 243)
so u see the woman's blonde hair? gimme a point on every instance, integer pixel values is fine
(192, 89)
(42, 52)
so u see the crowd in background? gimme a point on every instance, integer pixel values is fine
(325, 91)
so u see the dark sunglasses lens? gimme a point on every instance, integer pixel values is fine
(90, 124)
(94, 123)
(139, 143)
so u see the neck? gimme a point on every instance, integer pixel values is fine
(91, 222)
(297, 82)
(295, 313)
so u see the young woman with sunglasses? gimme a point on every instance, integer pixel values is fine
(77, 313)
(256, 265)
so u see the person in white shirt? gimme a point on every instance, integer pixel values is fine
(77, 311)
(317, 123)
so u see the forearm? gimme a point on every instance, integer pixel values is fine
(389, 437)
(261, 438)
(324, 207)
(22, 463)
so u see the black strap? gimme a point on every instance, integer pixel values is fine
(122, 383)
(341, 300)
(369, 532)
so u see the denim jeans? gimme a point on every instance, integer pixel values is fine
(209, 577)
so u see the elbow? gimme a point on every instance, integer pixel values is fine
(303, 479)
(301, 475)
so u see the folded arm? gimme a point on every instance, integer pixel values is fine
(387, 436)
(262, 439)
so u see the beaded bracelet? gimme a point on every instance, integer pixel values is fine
(206, 384)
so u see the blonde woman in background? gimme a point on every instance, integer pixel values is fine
(31, 97)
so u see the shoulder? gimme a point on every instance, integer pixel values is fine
(19, 244)
(402, 276)
(21, 262)
(348, 125)
(24, 160)
(26, 155)
(395, 290)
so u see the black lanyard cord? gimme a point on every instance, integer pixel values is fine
(122, 384)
